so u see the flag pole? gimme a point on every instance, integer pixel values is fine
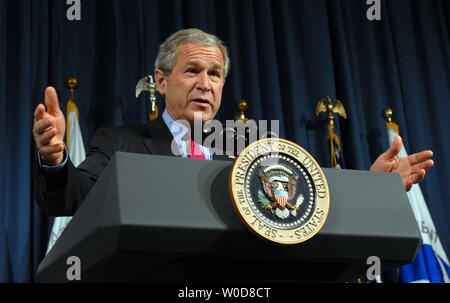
(72, 84)
(338, 108)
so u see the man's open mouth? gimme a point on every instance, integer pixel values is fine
(201, 101)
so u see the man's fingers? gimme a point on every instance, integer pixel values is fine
(414, 178)
(52, 154)
(426, 165)
(43, 125)
(47, 150)
(394, 149)
(420, 157)
(39, 112)
(51, 100)
(408, 184)
(46, 137)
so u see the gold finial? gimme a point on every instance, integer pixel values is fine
(149, 86)
(72, 84)
(328, 107)
(387, 114)
(242, 107)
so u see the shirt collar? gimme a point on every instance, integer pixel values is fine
(177, 129)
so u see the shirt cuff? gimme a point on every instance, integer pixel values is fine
(54, 177)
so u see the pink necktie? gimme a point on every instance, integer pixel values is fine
(195, 152)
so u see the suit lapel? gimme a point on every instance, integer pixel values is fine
(158, 138)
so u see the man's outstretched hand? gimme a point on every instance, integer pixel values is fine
(48, 129)
(412, 168)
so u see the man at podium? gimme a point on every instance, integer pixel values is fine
(190, 72)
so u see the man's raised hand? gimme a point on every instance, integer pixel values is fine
(48, 129)
(412, 168)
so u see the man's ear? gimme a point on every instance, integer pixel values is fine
(160, 80)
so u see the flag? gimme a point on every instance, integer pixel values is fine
(74, 142)
(431, 264)
(335, 151)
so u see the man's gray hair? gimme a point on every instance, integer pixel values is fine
(165, 60)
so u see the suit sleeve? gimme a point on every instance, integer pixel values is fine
(77, 182)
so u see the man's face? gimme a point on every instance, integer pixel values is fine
(195, 83)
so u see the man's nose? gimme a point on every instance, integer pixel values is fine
(204, 83)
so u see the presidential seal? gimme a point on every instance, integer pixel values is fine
(279, 191)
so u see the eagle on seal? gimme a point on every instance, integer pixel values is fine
(277, 194)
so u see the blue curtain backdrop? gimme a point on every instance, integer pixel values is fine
(286, 55)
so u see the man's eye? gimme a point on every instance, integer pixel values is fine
(215, 74)
(191, 70)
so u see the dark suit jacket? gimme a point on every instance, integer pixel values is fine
(63, 197)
